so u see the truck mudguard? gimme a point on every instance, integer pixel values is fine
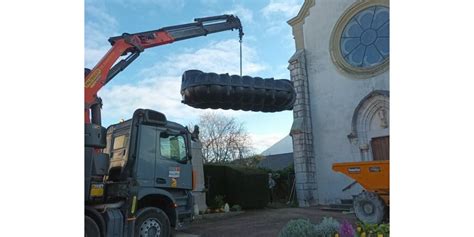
(143, 192)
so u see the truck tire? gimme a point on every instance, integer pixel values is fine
(91, 228)
(223, 91)
(369, 208)
(152, 222)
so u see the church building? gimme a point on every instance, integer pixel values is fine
(340, 70)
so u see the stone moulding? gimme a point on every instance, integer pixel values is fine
(365, 115)
(370, 99)
(297, 22)
(334, 42)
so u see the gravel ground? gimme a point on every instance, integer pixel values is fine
(261, 223)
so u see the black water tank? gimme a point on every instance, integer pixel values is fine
(223, 91)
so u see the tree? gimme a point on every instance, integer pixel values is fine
(251, 161)
(223, 138)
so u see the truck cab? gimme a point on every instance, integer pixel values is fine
(150, 176)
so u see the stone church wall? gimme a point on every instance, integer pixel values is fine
(334, 96)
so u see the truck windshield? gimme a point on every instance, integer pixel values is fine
(173, 147)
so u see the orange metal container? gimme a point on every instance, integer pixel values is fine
(374, 176)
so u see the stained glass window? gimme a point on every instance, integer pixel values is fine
(365, 39)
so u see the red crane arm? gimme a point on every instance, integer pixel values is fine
(97, 78)
(134, 44)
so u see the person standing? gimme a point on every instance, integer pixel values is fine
(271, 186)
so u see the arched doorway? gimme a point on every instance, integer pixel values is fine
(369, 137)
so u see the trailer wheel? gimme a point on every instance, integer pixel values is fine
(369, 208)
(152, 222)
(92, 229)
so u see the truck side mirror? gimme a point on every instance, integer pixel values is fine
(164, 135)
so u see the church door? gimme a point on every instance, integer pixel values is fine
(380, 148)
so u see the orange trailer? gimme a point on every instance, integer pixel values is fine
(370, 206)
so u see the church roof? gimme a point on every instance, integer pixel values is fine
(277, 162)
(285, 145)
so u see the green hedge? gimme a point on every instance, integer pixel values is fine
(247, 187)
(284, 182)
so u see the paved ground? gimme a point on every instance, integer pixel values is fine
(261, 223)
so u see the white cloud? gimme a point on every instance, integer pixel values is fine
(160, 90)
(101, 16)
(244, 14)
(219, 57)
(277, 12)
(281, 71)
(160, 94)
(99, 27)
(208, 2)
(285, 8)
(163, 4)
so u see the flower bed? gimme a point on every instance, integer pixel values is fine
(330, 227)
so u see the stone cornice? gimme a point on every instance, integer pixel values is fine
(302, 14)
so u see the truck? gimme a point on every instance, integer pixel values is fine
(138, 173)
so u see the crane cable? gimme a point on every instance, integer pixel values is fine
(241, 33)
(240, 41)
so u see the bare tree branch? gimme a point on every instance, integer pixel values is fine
(223, 138)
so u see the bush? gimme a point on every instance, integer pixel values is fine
(218, 202)
(235, 208)
(299, 228)
(215, 181)
(247, 187)
(327, 227)
(373, 229)
(284, 181)
(383, 229)
(346, 229)
(251, 161)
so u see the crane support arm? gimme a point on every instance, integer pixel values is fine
(133, 44)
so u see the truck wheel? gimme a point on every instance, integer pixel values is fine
(369, 208)
(152, 222)
(92, 229)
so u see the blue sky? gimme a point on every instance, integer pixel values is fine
(153, 80)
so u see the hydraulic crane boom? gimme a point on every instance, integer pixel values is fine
(134, 44)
